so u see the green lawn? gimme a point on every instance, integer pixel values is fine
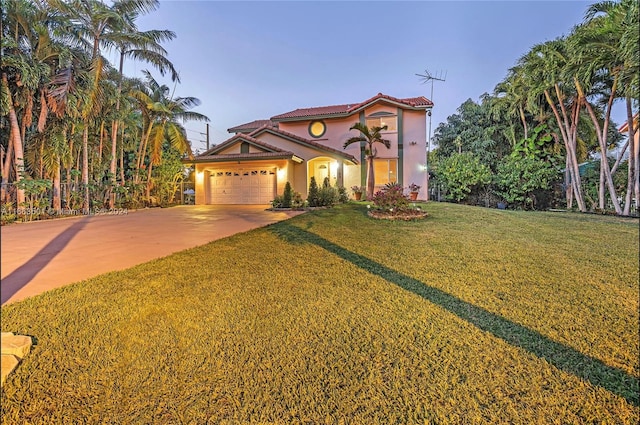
(471, 316)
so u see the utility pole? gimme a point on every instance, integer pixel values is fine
(206, 134)
(425, 79)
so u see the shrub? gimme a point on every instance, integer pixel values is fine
(520, 178)
(297, 201)
(343, 196)
(327, 196)
(312, 198)
(8, 213)
(35, 191)
(287, 196)
(289, 199)
(391, 197)
(461, 173)
(326, 183)
(278, 202)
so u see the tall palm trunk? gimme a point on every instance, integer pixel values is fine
(122, 157)
(6, 173)
(57, 201)
(568, 131)
(633, 166)
(605, 171)
(86, 204)
(142, 152)
(114, 135)
(100, 145)
(601, 133)
(601, 185)
(524, 122)
(567, 183)
(149, 181)
(371, 182)
(16, 141)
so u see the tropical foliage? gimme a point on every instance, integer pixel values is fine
(371, 137)
(557, 102)
(461, 173)
(71, 118)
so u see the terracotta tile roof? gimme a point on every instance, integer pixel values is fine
(348, 109)
(624, 128)
(242, 156)
(303, 141)
(309, 112)
(236, 138)
(250, 126)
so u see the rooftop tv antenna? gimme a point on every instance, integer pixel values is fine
(428, 77)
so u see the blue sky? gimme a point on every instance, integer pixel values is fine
(252, 60)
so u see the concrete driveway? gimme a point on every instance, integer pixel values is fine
(40, 256)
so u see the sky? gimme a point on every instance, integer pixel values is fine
(248, 60)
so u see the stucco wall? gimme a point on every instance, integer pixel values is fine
(335, 136)
(413, 130)
(414, 125)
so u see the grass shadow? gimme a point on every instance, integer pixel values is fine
(559, 355)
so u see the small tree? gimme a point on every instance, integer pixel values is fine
(370, 136)
(287, 196)
(312, 197)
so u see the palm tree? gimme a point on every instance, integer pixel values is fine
(600, 66)
(163, 112)
(28, 57)
(53, 153)
(90, 22)
(370, 136)
(14, 138)
(510, 97)
(611, 47)
(544, 69)
(137, 45)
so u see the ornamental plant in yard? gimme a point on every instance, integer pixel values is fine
(312, 196)
(391, 198)
(287, 196)
(391, 203)
(414, 187)
(358, 189)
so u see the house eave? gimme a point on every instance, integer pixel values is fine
(242, 158)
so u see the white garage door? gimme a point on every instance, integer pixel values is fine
(243, 186)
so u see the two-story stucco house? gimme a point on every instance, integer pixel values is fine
(254, 165)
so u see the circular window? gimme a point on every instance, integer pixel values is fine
(317, 128)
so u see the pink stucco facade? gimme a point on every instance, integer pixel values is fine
(287, 151)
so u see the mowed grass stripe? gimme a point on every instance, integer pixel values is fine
(272, 327)
(559, 355)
